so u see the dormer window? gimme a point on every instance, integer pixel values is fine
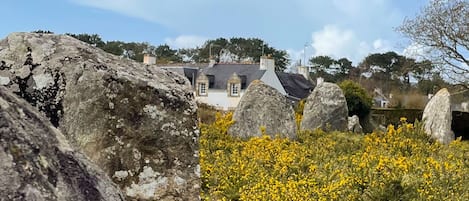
(234, 85)
(202, 85)
(234, 89)
(202, 89)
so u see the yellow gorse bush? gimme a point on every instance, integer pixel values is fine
(401, 164)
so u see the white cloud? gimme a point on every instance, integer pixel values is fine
(337, 43)
(350, 28)
(416, 51)
(333, 41)
(186, 41)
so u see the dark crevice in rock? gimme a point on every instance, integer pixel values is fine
(74, 173)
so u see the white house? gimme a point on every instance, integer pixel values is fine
(223, 85)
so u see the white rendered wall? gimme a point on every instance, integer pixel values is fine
(271, 79)
(220, 99)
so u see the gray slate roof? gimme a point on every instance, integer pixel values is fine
(295, 84)
(219, 74)
(189, 72)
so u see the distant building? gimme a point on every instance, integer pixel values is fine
(223, 85)
(379, 99)
(149, 59)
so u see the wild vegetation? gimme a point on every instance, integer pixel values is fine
(359, 102)
(400, 164)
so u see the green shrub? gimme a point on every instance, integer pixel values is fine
(358, 100)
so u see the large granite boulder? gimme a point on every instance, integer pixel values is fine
(137, 122)
(325, 108)
(37, 163)
(263, 106)
(437, 117)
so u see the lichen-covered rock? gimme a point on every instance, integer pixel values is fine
(325, 108)
(437, 117)
(263, 106)
(127, 117)
(354, 124)
(37, 163)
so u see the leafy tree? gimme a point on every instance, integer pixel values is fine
(135, 51)
(359, 102)
(323, 66)
(344, 68)
(43, 31)
(165, 54)
(212, 48)
(281, 59)
(432, 85)
(244, 49)
(114, 47)
(442, 27)
(393, 70)
(330, 69)
(321, 63)
(189, 54)
(92, 39)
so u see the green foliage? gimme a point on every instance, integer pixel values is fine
(114, 47)
(165, 54)
(330, 69)
(92, 39)
(43, 31)
(244, 48)
(432, 85)
(390, 70)
(359, 102)
(131, 50)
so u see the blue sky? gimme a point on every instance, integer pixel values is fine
(338, 28)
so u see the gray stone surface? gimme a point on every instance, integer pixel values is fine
(325, 108)
(437, 117)
(37, 163)
(354, 124)
(137, 122)
(263, 105)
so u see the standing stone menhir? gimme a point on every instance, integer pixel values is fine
(263, 105)
(37, 163)
(325, 108)
(437, 117)
(137, 122)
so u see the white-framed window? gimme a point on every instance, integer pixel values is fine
(202, 89)
(234, 90)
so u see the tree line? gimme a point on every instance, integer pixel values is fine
(236, 50)
(387, 71)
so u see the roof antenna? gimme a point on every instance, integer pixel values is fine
(263, 49)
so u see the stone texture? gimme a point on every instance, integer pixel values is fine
(126, 116)
(354, 124)
(37, 163)
(262, 105)
(437, 117)
(325, 108)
